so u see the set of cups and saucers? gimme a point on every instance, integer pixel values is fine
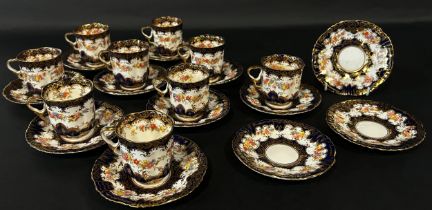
(147, 164)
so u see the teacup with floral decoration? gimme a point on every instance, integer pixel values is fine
(90, 40)
(278, 80)
(38, 67)
(206, 50)
(188, 87)
(70, 109)
(129, 62)
(165, 34)
(144, 143)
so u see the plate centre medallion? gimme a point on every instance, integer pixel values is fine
(351, 59)
(281, 154)
(372, 129)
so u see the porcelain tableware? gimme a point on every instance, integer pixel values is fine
(206, 50)
(188, 89)
(70, 109)
(144, 143)
(352, 57)
(165, 35)
(37, 67)
(90, 40)
(278, 80)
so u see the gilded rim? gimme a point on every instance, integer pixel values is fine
(199, 176)
(221, 97)
(314, 91)
(238, 136)
(29, 133)
(350, 90)
(236, 66)
(9, 86)
(120, 92)
(419, 126)
(81, 65)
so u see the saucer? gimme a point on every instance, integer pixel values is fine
(231, 72)
(188, 169)
(74, 61)
(42, 137)
(158, 57)
(308, 99)
(18, 93)
(218, 107)
(284, 149)
(352, 57)
(375, 125)
(105, 82)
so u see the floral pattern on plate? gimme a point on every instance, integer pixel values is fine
(188, 169)
(315, 151)
(18, 93)
(43, 138)
(218, 107)
(230, 72)
(308, 99)
(403, 131)
(106, 83)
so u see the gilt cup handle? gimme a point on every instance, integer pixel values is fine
(39, 112)
(12, 69)
(108, 139)
(257, 79)
(102, 57)
(72, 43)
(184, 53)
(157, 82)
(147, 36)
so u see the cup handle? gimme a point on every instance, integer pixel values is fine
(255, 80)
(184, 53)
(39, 112)
(101, 56)
(113, 146)
(12, 69)
(156, 84)
(148, 37)
(66, 36)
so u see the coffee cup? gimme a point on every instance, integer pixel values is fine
(165, 33)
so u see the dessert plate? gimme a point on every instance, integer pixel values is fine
(43, 138)
(284, 149)
(352, 57)
(231, 71)
(105, 82)
(74, 61)
(18, 93)
(112, 182)
(218, 107)
(375, 125)
(308, 99)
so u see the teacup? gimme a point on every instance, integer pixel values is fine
(38, 67)
(278, 80)
(206, 50)
(188, 87)
(144, 144)
(70, 109)
(90, 39)
(165, 34)
(129, 62)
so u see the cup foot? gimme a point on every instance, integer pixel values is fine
(188, 118)
(278, 105)
(140, 86)
(214, 79)
(82, 137)
(152, 184)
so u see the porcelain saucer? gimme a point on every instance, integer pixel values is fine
(218, 107)
(112, 182)
(18, 93)
(308, 99)
(74, 61)
(158, 57)
(284, 149)
(43, 138)
(375, 125)
(231, 71)
(353, 57)
(105, 82)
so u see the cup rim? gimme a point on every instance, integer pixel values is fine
(184, 66)
(178, 20)
(21, 55)
(139, 43)
(81, 80)
(207, 36)
(97, 24)
(289, 58)
(154, 112)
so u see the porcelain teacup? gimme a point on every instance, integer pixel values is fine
(165, 34)
(188, 87)
(206, 50)
(129, 62)
(90, 40)
(70, 108)
(144, 144)
(278, 80)
(38, 67)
